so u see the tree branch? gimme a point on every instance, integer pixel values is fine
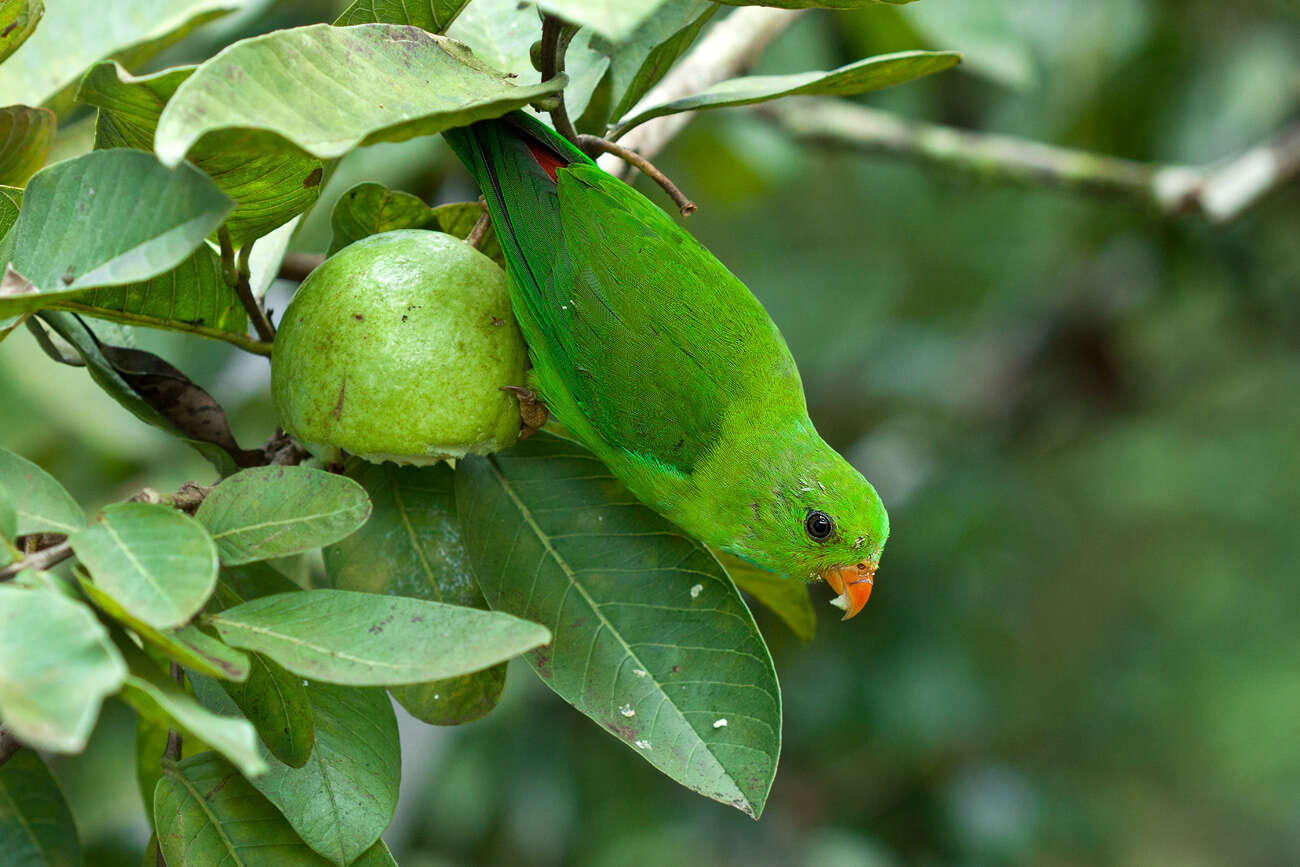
(1219, 192)
(594, 143)
(556, 35)
(236, 274)
(729, 48)
(43, 559)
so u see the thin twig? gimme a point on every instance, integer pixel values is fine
(729, 48)
(479, 232)
(556, 35)
(173, 749)
(1218, 192)
(43, 559)
(236, 274)
(296, 266)
(594, 143)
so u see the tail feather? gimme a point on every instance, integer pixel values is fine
(513, 159)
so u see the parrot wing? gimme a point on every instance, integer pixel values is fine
(627, 316)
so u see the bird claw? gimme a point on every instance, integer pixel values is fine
(533, 412)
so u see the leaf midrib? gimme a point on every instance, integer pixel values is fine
(26, 826)
(136, 563)
(542, 537)
(175, 773)
(219, 621)
(299, 519)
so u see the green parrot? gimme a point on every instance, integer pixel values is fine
(660, 361)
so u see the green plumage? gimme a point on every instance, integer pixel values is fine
(660, 360)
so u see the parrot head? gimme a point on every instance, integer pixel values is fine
(823, 520)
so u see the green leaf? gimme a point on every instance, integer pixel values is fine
(207, 814)
(249, 581)
(368, 83)
(25, 137)
(411, 546)
(272, 699)
(369, 209)
(18, 18)
(344, 797)
(106, 219)
(78, 33)
(155, 695)
(434, 16)
(613, 19)
(193, 298)
(267, 512)
(864, 76)
(36, 826)
(277, 705)
(652, 641)
(189, 645)
(458, 218)
(988, 34)
(368, 640)
(51, 689)
(150, 744)
(270, 185)
(129, 105)
(787, 599)
(158, 563)
(376, 856)
(42, 503)
(40, 579)
(639, 61)
(501, 34)
(125, 387)
(8, 516)
(153, 559)
(11, 200)
(453, 701)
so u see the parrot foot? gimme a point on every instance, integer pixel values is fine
(533, 411)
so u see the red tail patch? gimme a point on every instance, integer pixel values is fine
(547, 160)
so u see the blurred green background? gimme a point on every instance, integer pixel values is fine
(1083, 646)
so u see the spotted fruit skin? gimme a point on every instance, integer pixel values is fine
(396, 348)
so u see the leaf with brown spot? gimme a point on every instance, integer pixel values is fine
(207, 813)
(194, 412)
(106, 375)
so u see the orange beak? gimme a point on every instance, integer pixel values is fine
(853, 584)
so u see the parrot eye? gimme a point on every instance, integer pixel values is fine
(819, 526)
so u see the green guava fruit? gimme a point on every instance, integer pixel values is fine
(396, 349)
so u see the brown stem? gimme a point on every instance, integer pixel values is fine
(40, 560)
(556, 35)
(1219, 192)
(479, 232)
(236, 274)
(596, 144)
(296, 266)
(187, 499)
(173, 748)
